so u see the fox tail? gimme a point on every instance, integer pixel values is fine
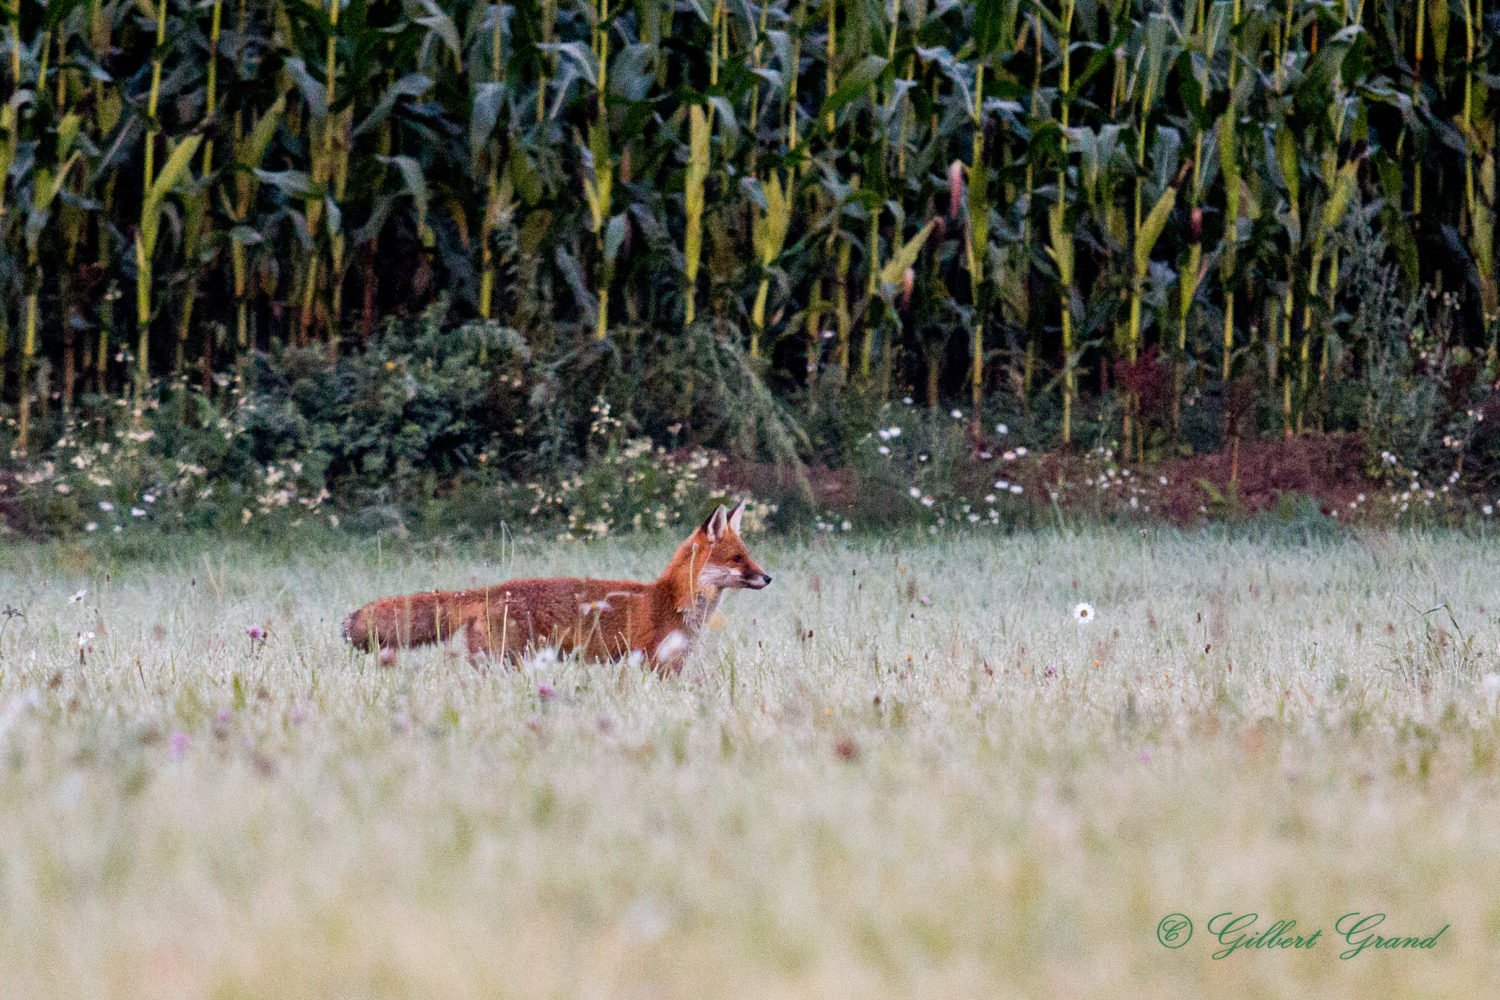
(401, 622)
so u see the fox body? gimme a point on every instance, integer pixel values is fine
(596, 619)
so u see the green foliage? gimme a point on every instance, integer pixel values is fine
(445, 427)
(584, 170)
(920, 467)
(694, 210)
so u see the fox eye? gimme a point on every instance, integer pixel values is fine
(739, 559)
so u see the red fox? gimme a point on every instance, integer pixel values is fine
(598, 619)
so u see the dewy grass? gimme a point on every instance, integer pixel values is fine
(905, 769)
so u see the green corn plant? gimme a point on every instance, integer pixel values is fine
(198, 221)
(9, 141)
(885, 103)
(489, 97)
(693, 183)
(47, 183)
(843, 263)
(250, 151)
(1439, 18)
(143, 277)
(338, 133)
(548, 30)
(976, 252)
(994, 33)
(609, 231)
(757, 57)
(1147, 229)
(1477, 125)
(1020, 260)
(601, 51)
(176, 170)
(1290, 164)
(830, 61)
(153, 98)
(72, 225)
(791, 69)
(906, 111)
(1339, 181)
(1059, 230)
(768, 234)
(323, 139)
(1226, 133)
(1202, 46)
(903, 259)
(109, 108)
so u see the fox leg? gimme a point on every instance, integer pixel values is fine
(478, 642)
(486, 646)
(384, 652)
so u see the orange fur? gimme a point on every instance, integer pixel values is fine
(597, 619)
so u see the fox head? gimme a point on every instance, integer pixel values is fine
(722, 554)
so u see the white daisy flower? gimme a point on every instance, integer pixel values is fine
(1083, 613)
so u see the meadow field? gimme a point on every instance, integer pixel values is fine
(905, 769)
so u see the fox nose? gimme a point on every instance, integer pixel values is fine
(765, 579)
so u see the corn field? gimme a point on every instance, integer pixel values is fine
(1053, 202)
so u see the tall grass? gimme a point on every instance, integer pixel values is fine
(1144, 184)
(900, 770)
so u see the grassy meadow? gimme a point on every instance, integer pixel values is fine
(905, 769)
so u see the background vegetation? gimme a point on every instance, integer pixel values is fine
(1151, 227)
(903, 769)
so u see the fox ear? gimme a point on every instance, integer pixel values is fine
(715, 525)
(736, 515)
